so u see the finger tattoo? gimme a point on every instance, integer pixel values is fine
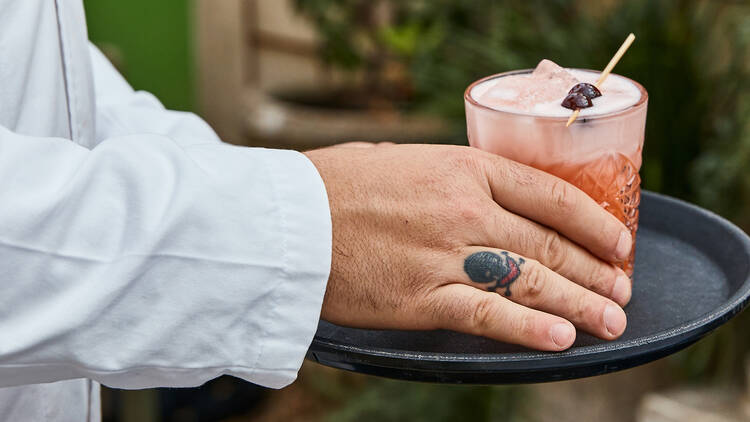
(493, 270)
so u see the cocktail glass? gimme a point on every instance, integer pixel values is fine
(600, 154)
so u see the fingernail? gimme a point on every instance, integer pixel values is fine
(562, 335)
(615, 320)
(624, 244)
(622, 290)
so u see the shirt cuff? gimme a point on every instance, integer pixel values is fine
(306, 237)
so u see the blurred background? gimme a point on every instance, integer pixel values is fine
(307, 73)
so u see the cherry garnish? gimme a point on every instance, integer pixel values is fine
(580, 96)
(576, 100)
(588, 90)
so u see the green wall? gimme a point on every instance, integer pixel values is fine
(153, 39)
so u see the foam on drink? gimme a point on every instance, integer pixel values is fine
(540, 93)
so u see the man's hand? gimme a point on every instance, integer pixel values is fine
(428, 236)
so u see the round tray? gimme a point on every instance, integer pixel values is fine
(692, 274)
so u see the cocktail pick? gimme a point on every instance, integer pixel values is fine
(607, 70)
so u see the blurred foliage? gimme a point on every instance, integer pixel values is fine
(429, 403)
(693, 57)
(718, 358)
(149, 42)
(417, 402)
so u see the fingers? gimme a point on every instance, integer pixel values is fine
(559, 254)
(531, 284)
(463, 308)
(559, 205)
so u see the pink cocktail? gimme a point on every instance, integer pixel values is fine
(517, 115)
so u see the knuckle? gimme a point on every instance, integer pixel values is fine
(482, 315)
(554, 251)
(565, 197)
(469, 212)
(536, 280)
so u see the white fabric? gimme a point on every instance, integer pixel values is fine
(136, 249)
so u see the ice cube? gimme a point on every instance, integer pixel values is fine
(547, 83)
(549, 70)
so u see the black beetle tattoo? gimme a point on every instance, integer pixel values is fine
(494, 270)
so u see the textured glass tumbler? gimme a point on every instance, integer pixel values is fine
(600, 154)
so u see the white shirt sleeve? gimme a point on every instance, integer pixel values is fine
(161, 257)
(122, 111)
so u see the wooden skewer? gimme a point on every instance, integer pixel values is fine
(607, 70)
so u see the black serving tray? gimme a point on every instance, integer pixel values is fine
(692, 274)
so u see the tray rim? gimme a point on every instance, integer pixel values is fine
(463, 365)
